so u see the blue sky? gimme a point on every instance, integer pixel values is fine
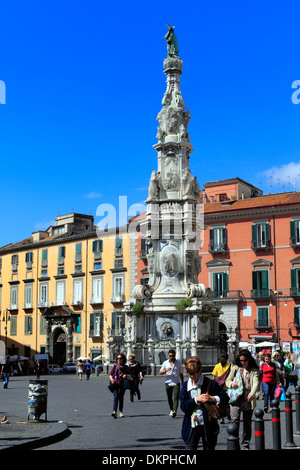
(84, 83)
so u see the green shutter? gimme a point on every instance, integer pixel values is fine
(225, 283)
(92, 321)
(293, 231)
(113, 322)
(123, 320)
(263, 317)
(13, 326)
(268, 234)
(254, 235)
(264, 282)
(297, 316)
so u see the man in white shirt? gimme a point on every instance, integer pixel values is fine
(172, 368)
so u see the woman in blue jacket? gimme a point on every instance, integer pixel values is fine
(193, 397)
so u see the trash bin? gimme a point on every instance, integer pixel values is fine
(37, 398)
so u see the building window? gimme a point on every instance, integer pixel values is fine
(262, 317)
(29, 259)
(117, 323)
(78, 255)
(13, 326)
(14, 262)
(97, 248)
(118, 246)
(295, 232)
(297, 317)
(14, 297)
(295, 281)
(96, 324)
(44, 257)
(43, 298)
(61, 254)
(261, 237)
(217, 239)
(43, 325)
(77, 323)
(60, 293)
(260, 283)
(77, 292)
(97, 290)
(28, 325)
(98, 266)
(220, 284)
(118, 289)
(28, 296)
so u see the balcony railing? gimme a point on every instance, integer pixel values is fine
(295, 292)
(217, 247)
(263, 324)
(294, 242)
(260, 245)
(261, 293)
(117, 298)
(230, 294)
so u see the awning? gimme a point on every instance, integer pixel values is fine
(262, 336)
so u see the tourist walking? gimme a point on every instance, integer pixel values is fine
(246, 366)
(38, 369)
(195, 402)
(269, 380)
(80, 368)
(220, 373)
(172, 368)
(291, 376)
(136, 377)
(6, 371)
(118, 377)
(88, 369)
(276, 358)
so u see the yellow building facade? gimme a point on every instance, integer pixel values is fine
(63, 290)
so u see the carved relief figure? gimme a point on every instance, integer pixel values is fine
(153, 186)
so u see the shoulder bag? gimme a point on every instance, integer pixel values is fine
(235, 393)
(214, 410)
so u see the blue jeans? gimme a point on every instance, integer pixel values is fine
(119, 393)
(5, 376)
(269, 390)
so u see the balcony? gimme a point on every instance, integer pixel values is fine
(95, 333)
(295, 292)
(27, 305)
(260, 245)
(261, 294)
(230, 294)
(95, 301)
(77, 303)
(42, 304)
(263, 324)
(294, 242)
(117, 298)
(217, 247)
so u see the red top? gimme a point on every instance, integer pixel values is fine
(269, 373)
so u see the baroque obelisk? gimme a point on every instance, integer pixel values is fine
(172, 229)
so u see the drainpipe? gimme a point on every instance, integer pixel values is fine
(275, 281)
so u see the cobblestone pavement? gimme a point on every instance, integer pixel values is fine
(84, 407)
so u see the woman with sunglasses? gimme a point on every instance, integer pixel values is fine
(195, 393)
(246, 403)
(117, 376)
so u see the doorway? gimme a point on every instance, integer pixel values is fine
(59, 346)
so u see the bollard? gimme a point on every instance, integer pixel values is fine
(259, 429)
(289, 421)
(276, 424)
(37, 398)
(233, 438)
(297, 401)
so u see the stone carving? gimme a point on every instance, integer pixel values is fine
(141, 292)
(153, 186)
(167, 329)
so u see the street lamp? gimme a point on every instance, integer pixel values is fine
(5, 319)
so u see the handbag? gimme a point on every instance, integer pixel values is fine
(282, 396)
(278, 392)
(111, 387)
(214, 410)
(235, 393)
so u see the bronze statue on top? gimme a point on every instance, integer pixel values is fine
(172, 42)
